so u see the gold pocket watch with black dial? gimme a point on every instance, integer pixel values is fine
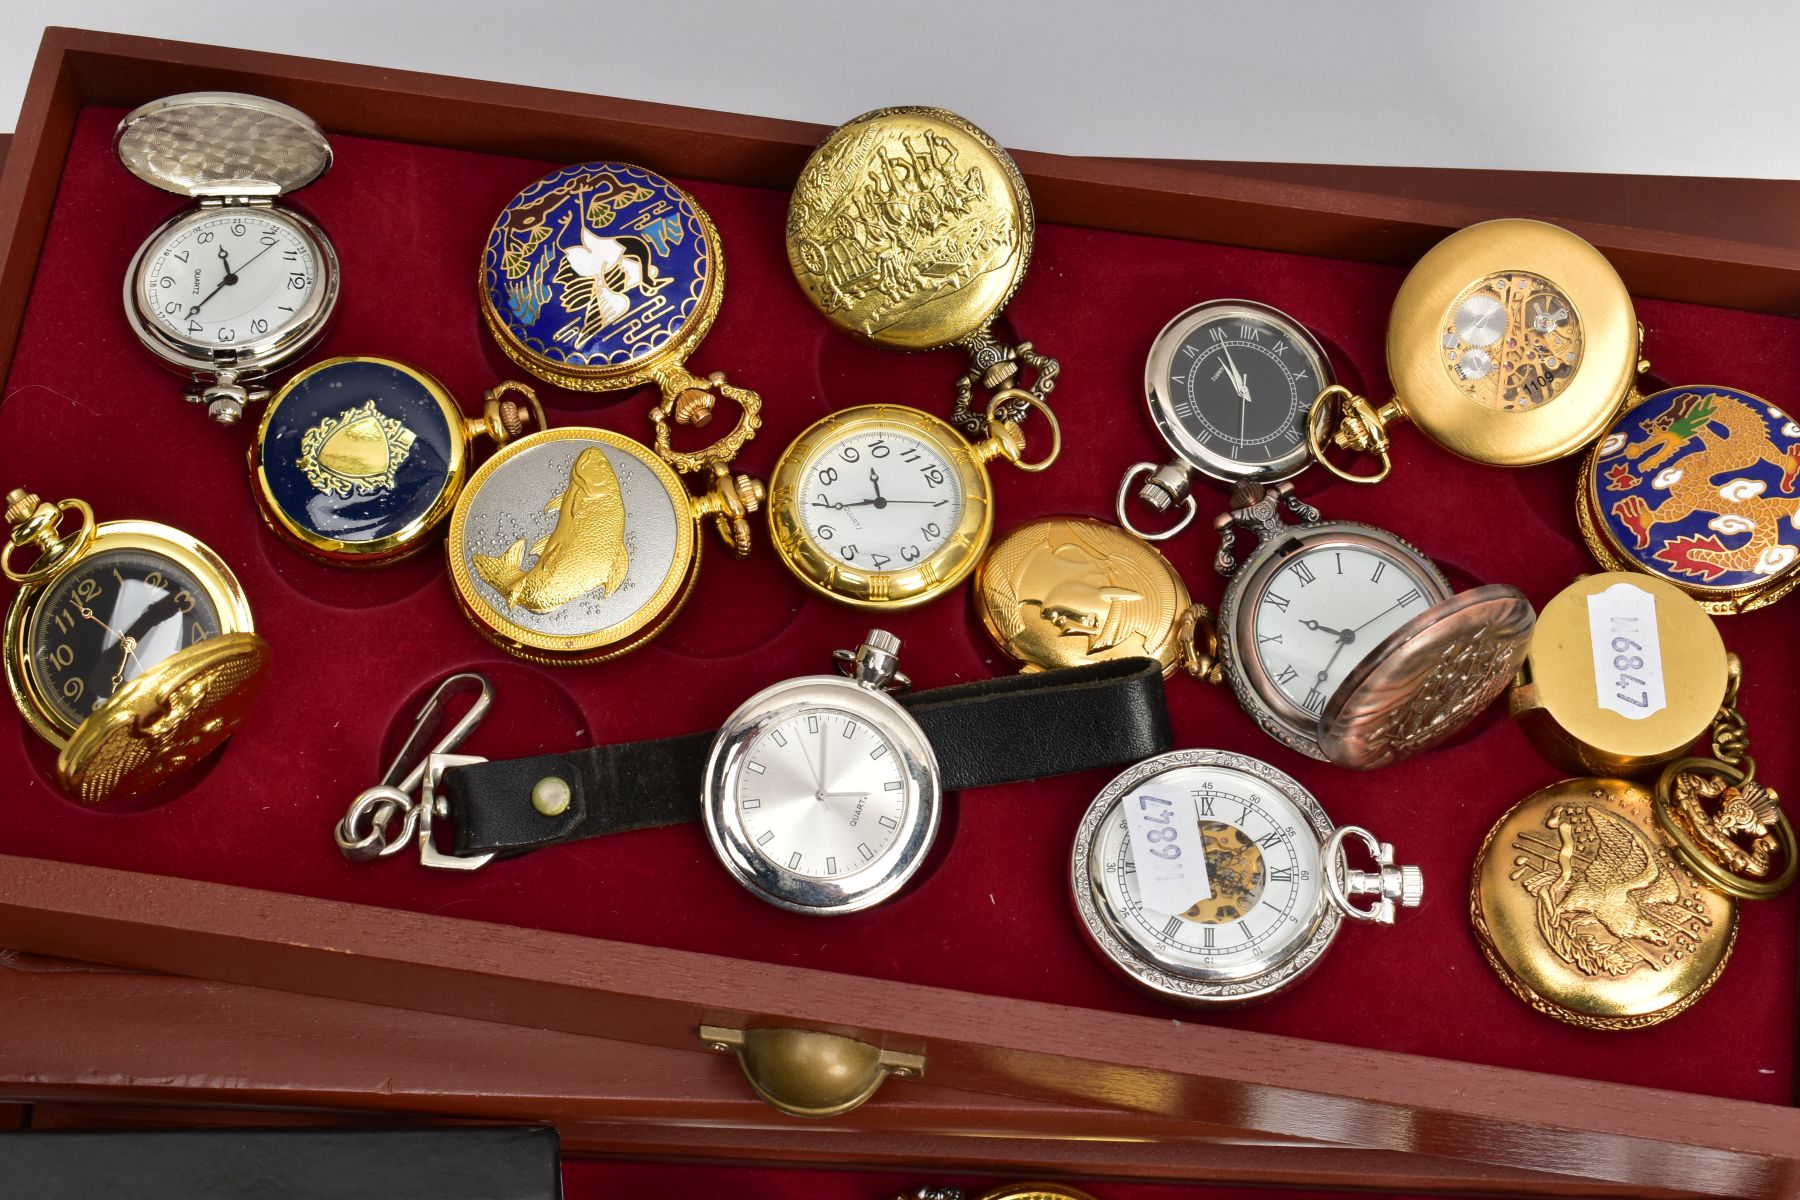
(129, 646)
(1511, 343)
(1344, 642)
(887, 507)
(911, 229)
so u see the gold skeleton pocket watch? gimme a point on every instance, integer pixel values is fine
(1511, 343)
(129, 646)
(887, 507)
(911, 229)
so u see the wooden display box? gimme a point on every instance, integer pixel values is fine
(1160, 1096)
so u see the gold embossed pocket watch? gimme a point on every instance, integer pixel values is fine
(359, 460)
(1511, 343)
(1210, 878)
(239, 285)
(576, 545)
(1344, 642)
(887, 507)
(129, 647)
(910, 228)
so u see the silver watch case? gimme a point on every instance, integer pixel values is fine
(881, 877)
(1147, 965)
(227, 149)
(1256, 693)
(1161, 401)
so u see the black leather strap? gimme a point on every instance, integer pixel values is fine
(984, 733)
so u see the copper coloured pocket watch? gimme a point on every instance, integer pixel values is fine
(1344, 642)
(129, 646)
(911, 229)
(1511, 343)
(239, 285)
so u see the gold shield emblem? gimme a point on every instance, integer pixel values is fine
(358, 450)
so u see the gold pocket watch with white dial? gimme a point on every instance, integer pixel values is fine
(238, 286)
(129, 646)
(886, 507)
(1347, 644)
(1511, 343)
(1211, 878)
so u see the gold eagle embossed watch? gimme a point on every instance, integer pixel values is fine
(1511, 343)
(129, 647)
(887, 507)
(911, 229)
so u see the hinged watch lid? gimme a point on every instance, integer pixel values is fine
(1428, 678)
(165, 721)
(222, 145)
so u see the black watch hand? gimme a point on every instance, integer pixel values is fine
(1384, 612)
(226, 259)
(231, 277)
(1318, 628)
(883, 502)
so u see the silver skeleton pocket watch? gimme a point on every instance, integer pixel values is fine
(1346, 643)
(238, 286)
(1268, 882)
(1229, 384)
(822, 793)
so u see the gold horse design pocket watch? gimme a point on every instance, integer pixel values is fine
(887, 507)
(1511, 343)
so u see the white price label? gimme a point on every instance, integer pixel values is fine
(1167, 850)
(1628, 668)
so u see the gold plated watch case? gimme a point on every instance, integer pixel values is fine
(1583, 908)
(359, 459)
(173, 713)
(954, 558)
(910, 228)
(1511, 343)
(1558, 700)
(1070, 591)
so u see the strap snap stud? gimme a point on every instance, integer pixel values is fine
(550, 796)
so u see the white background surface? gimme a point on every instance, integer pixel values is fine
(1654, 86)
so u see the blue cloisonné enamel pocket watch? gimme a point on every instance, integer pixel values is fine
(603, 276)
(1699, 486)
(359, 460)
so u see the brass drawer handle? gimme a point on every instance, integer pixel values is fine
(804, 1073)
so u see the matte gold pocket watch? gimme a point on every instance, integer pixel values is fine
(1344, 642)
(910, 228)
(1511, 343)
(887, 507)
(359, 460)
(129, 646)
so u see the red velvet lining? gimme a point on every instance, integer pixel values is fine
(87, 413)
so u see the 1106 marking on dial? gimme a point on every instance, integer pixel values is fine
(822, 794)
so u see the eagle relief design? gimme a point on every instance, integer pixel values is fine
(887, 219)
(1609, 901)
(597, 264)
(361, 449)
(1702, 487)
(585, 552)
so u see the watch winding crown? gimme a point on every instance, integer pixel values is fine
(875, 663)
(1412, 886)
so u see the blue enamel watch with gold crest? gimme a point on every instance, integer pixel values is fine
(1700, 486)
(359, 460)
(603, 276)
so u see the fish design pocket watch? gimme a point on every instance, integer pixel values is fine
(359, 460)
(1511, 343)
(1210, 878)
(1699, 486)
(1229, 384)
(603, 277)
(911, 229)
(820, 795)
(576, 545)
(887, 507)
(1344, 642)
(129, 647)
(238, 286)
